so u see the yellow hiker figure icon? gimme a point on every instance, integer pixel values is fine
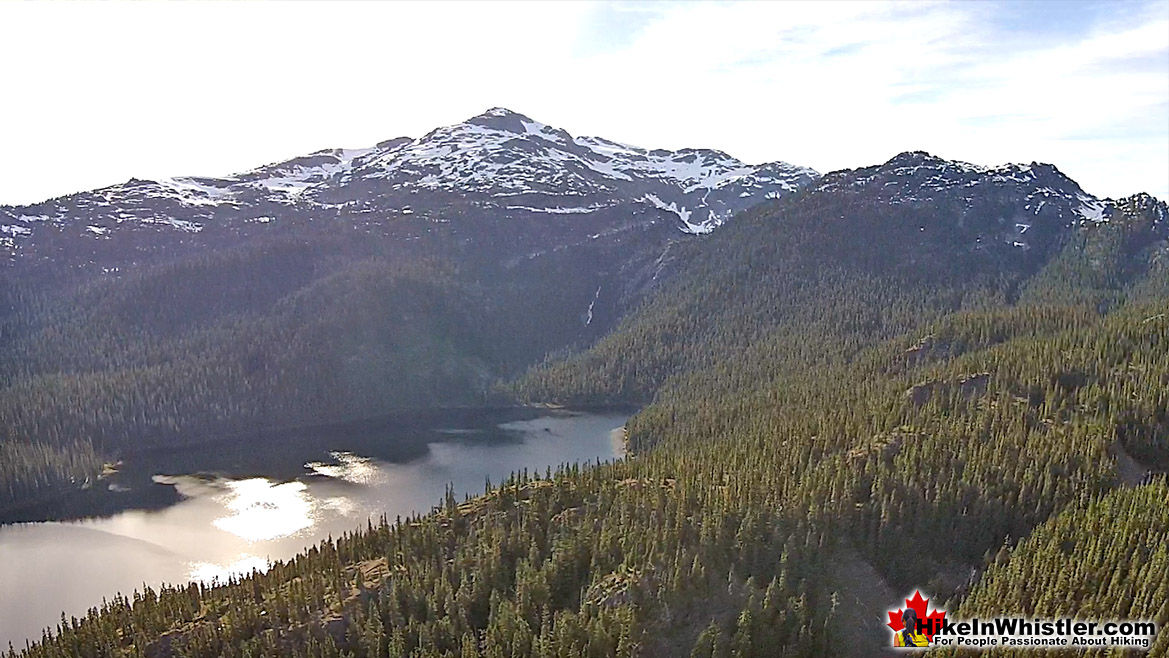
(908, 636)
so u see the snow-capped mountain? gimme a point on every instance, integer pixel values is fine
(512, 163)
(1021, 206)
(503, 187)
(496, 167)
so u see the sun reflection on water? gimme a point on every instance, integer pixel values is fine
(264, 510)
(209, 572)
(349, 467)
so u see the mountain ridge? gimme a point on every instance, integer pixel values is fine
(511, 179)
(497, 155)
(536, 170)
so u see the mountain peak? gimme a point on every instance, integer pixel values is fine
(501, 118)
(500, 112)
(913, 158)
(908, 163)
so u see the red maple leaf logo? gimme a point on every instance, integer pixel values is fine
(919, 605)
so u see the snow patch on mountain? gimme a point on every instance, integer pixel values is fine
(181, 224)
(295, 176)
(543, 131)
(562, 211)
(191, 192)
(589, 311)
(1092, 209)
(683, 215)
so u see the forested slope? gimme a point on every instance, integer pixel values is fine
(303, 328)
(831, 378)
(1104, 558)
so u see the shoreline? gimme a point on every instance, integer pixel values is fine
(411, 414)
(93, 499)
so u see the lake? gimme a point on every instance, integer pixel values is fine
(231, 507)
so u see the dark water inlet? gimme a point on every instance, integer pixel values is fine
(207, 514)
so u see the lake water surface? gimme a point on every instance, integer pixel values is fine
(212, 512)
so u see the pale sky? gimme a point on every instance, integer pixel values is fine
(96, 93)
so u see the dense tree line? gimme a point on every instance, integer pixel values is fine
(951, 417)
(1106, 557)
(276, 334)
(30, 472)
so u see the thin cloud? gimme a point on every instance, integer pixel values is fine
(106, 91)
